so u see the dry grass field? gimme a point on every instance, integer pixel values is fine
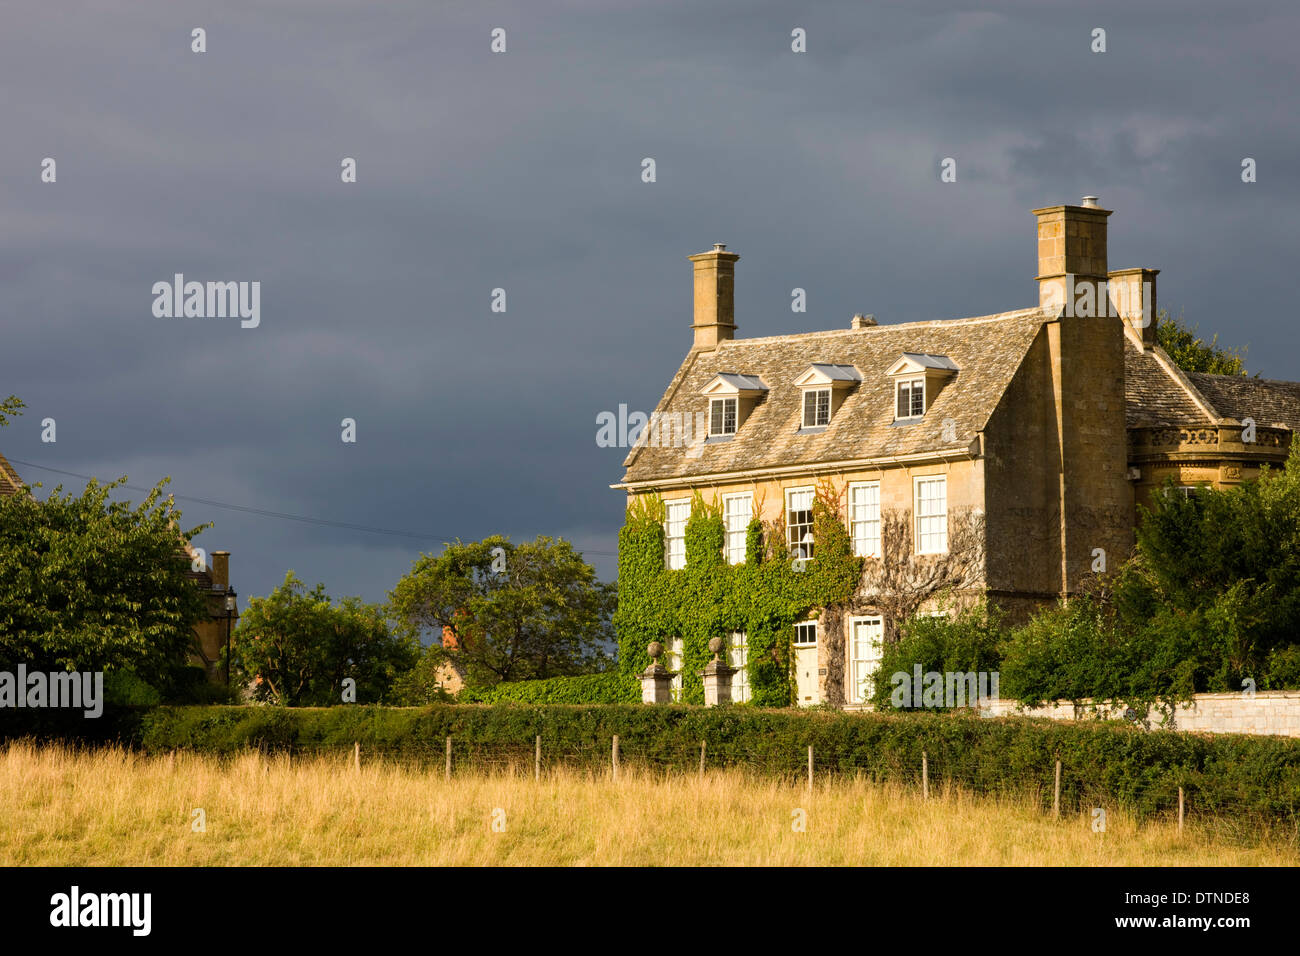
(112, 807)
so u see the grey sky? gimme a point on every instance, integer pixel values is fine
(522, 170)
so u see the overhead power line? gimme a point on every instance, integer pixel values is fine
(266, 513)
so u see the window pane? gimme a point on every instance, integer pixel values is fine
(809, 409)
(738, 512)
(799, 523)
(904, 400)
(918, 397)
(675, 534)
(715, 417)
(864, 517)
(931, 515)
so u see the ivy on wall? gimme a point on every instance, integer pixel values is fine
(764, 597)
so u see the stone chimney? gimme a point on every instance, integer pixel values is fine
(1071, 253)
(715, 296)
(861, 321)
(1133, 298)
(1085, 345)
(220, 570)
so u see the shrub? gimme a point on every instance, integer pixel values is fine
(610, 687)
(967, 642)
(1101, 761)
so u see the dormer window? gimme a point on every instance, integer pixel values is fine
(722, 417)
(816, 407)
(919, 377)
(731, 398)
(911, 398)
(824, 387)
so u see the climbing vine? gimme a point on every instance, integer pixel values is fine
(764, 597)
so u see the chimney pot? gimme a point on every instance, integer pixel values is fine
(1090, 202)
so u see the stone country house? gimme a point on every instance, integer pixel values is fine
(999, 456)
(213, 581)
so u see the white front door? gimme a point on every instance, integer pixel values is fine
(805, 664)
(866, 636)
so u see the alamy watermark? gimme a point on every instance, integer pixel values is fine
(624, 429)
(57, 689)
(946, 689)
(208, 300)
(1101, 300)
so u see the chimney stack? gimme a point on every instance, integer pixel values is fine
(861, 321)
(220, 570)
(1071, 253)
(1133, 298)
(715, 296)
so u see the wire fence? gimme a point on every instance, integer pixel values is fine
(1062, 790)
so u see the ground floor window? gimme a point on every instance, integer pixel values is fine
(866, 646)
(676, 648)
(738, 657)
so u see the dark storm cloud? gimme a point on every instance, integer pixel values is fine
(521, 171)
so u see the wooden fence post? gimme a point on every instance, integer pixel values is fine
(615, 755)
(925, 776)
(810, 768)
(537, 759)
(1180, 810)
(1056, 792)
(356, 755)
(448, 775)
(702, 759)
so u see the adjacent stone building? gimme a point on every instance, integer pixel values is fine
(1001, 455)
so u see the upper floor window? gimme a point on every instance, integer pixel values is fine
(931, 515)
(816, 407)
(911, 398)
(864, 519)
(675, 533)
(722, 416)
(799, 521)
(738, 511)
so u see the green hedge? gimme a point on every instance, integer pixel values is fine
(1103, 762)
(611, 687)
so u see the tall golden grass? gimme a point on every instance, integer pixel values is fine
(114, 807)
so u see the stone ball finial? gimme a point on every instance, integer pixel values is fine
(655, 650)
(715, 645)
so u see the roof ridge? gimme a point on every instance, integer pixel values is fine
(875, 329)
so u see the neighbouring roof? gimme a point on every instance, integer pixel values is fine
(10, 483)
(1157, 392)
(1267, 401)
(988, 350)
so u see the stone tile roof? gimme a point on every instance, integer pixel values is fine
(1157, 392)
(987, 351)
(1267, 401)
(9, 480)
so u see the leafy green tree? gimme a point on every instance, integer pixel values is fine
(1191, 353)
(92, 584)
(1221, 570)
(296, 647)
(513, 612)
(10, 406)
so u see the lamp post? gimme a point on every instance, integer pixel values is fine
(230, 611)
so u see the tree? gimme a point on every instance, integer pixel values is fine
(92, 584)
(512, 612)
(296, 647)
(1191, 353)
(1220, 570)
(901, 581)
(10, 406)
